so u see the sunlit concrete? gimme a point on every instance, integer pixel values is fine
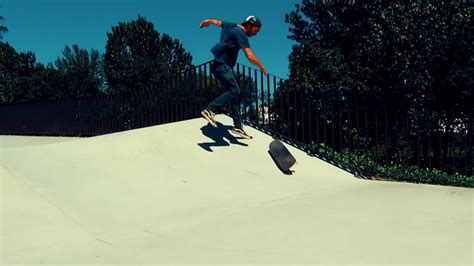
(185, 193)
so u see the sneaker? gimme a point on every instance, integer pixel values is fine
(210, 117)
(240, 132)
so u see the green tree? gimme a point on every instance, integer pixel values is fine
(22, 79)
(384, 52)
(78, 73)
(16, 70)
(48, 83)
(138, 58)
(412, 54)
(81, 72)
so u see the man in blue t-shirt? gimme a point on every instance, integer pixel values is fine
(233, 38)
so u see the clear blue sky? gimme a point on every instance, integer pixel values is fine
(46, 26)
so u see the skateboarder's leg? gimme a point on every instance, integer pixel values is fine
(217, 104)
(232, 94)
(235, 111)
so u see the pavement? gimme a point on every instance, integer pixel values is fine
(186, 193)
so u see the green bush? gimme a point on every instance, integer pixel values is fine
(364, 164)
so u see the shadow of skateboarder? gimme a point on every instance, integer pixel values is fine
(218, 135)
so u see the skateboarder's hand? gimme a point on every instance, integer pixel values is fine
(205, 23)
(264, 71)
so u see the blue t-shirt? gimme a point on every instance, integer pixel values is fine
(233, 38)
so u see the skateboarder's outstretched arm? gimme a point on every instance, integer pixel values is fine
(254, 60)
(207, 22)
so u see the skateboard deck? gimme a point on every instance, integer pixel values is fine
(281, 155)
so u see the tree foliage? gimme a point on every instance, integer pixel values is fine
(399, 61)
(81, 71)
(78, 73)
(387, 53)
(137, 57)
(16, 70)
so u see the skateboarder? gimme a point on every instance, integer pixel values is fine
(233, 38)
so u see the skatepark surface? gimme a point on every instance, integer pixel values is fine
(186, 193)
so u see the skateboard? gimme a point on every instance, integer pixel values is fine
(281, 155)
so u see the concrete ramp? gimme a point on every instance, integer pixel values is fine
(186, 193)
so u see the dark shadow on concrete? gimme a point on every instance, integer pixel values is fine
(219, 136)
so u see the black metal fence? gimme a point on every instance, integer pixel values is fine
(367, 141)
(357, 138)
(177, 98)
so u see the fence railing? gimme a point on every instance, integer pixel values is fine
(360, 139)
(177, 98)
(357, 138)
